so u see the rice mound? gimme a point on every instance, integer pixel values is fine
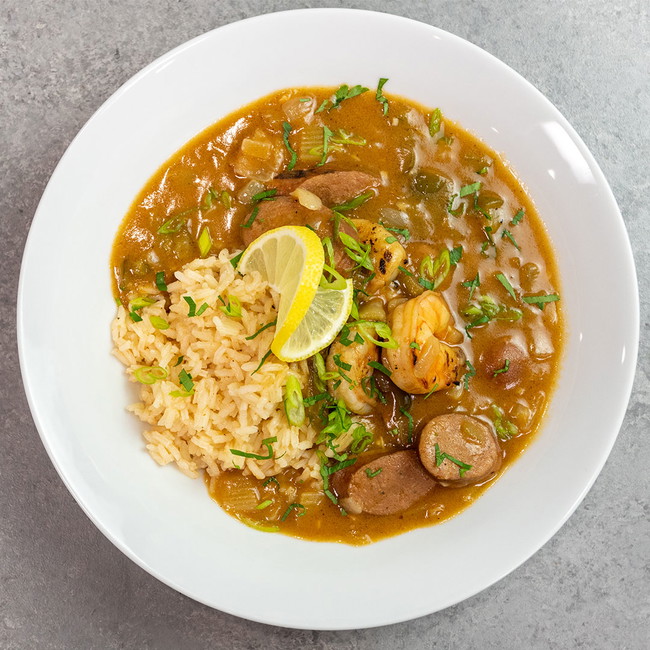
(230, 408)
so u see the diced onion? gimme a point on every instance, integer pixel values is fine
(307, 199)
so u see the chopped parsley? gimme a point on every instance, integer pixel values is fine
(294, 506)
(506, 284)
(379, 95)
(506, 234)
(442, 456)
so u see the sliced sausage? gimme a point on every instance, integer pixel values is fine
(334, 188)
(389, 484)
(459, 449)
(504, 363)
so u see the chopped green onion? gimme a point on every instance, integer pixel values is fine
(293, 403)
(160, 281)
(506, 284)
(204, 241)
(179, 361)
(455, 255)
(173, 225)
(415, 345)
(339, 282)
(232, 308)
(310, 401)
(265, 504)
(258, 526)
(150, 374)
(403, 270)
(391, 240)
(261, 329)
(185, 380)
(361, 439)
(504, 428)
(264, 358)
(472, 285)
(506, 367)
(379, 95)
(518, 217)
(269, 480)
(294, 506)
(264, 195)
(353, 203)
(226, 199)
(135, 317)
(159, 323)
(404, 232)
(409, 418)
(469, 189)
(382, 330)
(286, 130)
(381, 367)
(341, 364)
(432, 391)
(371, 474)
(141, 302)
(471, 372)
(541, 301)
(435, 119)
(267, 442)
(482, 171)
(508, 234)
(192, 306)
(327, 134)
(437, 270)
(235, 260)
(356, 251)
(252, 217)
(442, 456)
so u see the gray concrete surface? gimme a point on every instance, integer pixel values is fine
(63, 585)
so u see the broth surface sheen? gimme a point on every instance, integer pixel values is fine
(443, 186)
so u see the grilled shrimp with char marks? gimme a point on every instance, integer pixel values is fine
(357, 356)
(423, 361)
(386, 253)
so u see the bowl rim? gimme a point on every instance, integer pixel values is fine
(43, 426)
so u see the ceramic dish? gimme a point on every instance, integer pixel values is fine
(77, 391)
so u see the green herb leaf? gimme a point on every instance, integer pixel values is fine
(507, 234)
(381, 367)
(135, 317)
(202, 308)
(345, 92)
(160, 281)
(541, 301)
(469, 189)
(267, 442)
(472, 285)
(232, 308)
(455, 255)
(415, 345)
(286, 130)
(518, 217)
(265, 504)
(192, 306)
(379, 95)
(506, 284)
(261, 329)
(361, 439)
(504, 428)
(442, 456)
(252, 217)
(391, 240)
(400, 231)
(409, 419)
(294, 506)
(327, 134)
(435, 120)
(471, 372)
(179, 361)
(353, 203)
(371, 474)
(235, 260)
(185, 380)
(159, 323)
(264, 358)
(506, 367)
(173, 225)
(269, 480)
(264, 195)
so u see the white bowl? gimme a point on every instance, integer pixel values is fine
(166, 522)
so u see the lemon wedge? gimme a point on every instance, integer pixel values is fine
(291, 260)
(326, 315)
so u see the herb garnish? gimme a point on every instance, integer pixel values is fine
(381, 367)
(353, 203)
(264, 358)
(506, 367)
(506, 284)
(518, 217)
(192, 306)
(435, 119)
(507, 234)
(409, 419)
(159, 323)
(379, 95)
(504, 428)
(261, 329)
(327, 134)
(472, 285)
(466, 190)
(471, 372)
(294, 407)
(345, 92)
(294, 506)
(541, 301)
(160, 281)
(442, 456)
(185, 380)
(205, 242)
(400, 231)
(264, 195)
(269, 480)
(267, 442)
(371, 474)
(286, 130)
(232, 308)
(235, 260)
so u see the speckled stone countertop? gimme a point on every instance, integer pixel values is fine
(63, 585)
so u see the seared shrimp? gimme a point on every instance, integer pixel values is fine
(357, 356)
(386, 257)
(423, 361)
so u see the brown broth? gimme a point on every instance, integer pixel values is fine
(397, 145)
